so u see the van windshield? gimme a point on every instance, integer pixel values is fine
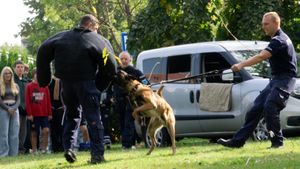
(259, 70)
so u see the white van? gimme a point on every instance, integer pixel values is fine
(177, 62)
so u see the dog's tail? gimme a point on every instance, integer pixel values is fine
(159, 91)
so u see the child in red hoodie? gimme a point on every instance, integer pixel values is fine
(38, 107)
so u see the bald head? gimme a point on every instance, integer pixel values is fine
(125, 59)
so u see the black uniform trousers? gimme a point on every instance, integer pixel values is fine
(127, 122)
(86, 94)
(268, 104)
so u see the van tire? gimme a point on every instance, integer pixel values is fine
(261, 132)
(162, 137)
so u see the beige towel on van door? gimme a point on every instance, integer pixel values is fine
(215, 97)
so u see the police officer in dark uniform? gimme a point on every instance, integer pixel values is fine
(123, 107)
(79, 54)
(273, 98)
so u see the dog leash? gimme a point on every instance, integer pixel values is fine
(206, 74)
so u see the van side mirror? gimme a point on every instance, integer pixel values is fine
(227, 75)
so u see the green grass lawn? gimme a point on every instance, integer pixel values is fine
(191, 153)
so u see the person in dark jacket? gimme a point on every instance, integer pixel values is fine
(79, 54)
(123, 107)
(273, 98)
(24, 134)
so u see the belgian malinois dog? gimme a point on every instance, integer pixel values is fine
(145, 102)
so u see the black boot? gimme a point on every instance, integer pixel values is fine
(70, 156)
(229, 143)
(96, 160)
(276, 145)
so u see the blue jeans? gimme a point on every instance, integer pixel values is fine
(86, 95)
(9, 134)
(268, 104)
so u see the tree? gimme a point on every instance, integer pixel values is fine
(9, 54)
(172, 22)
(53, 16)
(243, 19)
(161, 23)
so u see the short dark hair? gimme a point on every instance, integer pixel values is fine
(88, 18)
(18, 62)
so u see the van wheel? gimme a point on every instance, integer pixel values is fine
(261, 133)
(162, 137)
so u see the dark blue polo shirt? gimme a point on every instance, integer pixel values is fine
(137, 74)
(283, 59)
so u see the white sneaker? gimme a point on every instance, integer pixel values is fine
(33, 152)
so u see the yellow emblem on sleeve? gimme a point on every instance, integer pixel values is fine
(105, 55)
(118, 60)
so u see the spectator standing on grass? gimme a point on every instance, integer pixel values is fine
(39, 112)
(24, 133)
(9, 114)
(123, 107)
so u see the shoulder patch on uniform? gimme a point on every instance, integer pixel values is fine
(105, 55)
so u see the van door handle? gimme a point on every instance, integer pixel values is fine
(198, 95)
(192, 96)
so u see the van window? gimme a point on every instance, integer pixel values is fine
(261, 69)
(179, 67)
(211, 62)
(153, 70)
